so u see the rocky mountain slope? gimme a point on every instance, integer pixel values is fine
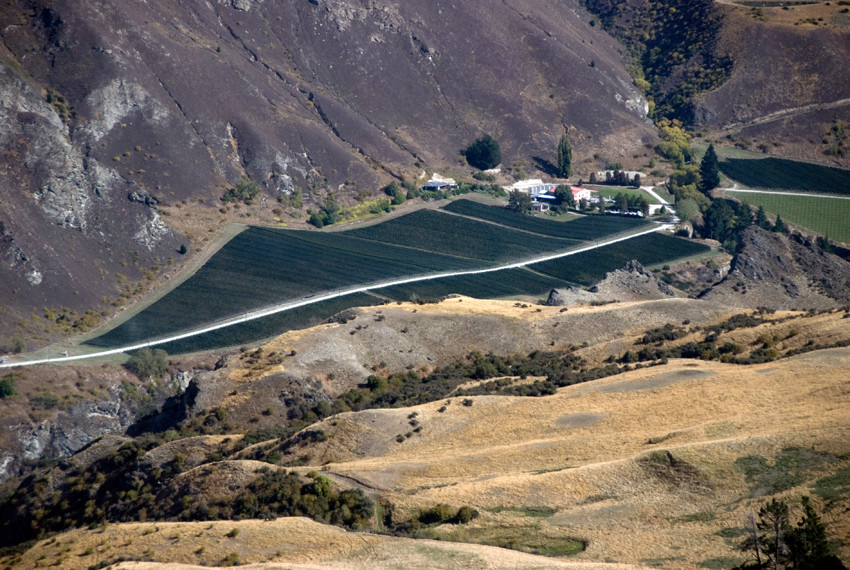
(783, 272)
(789, 107)
(113, 109)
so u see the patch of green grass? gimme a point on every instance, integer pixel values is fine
(597, 498)
(720, 563)
(661, 562)
(790, 469)
(527, 539)
(833, 487)
(525, 511)
(731, 532)
(612, 191)
(826, 216)
(699, 516)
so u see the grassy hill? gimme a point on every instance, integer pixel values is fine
(656, 466)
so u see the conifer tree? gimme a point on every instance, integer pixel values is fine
(709, 171)
(565, 157)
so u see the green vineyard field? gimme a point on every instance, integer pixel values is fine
(584, 228)
(589, 267)
(782, 174)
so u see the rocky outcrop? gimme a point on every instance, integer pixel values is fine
(783, 272)
(631, 283)
(58, 411)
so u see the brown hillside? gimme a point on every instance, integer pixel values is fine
(633, 466)
(790, 83)
(114, 109)
(638, 465)
(282, 543)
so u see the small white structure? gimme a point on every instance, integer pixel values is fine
(532, 186)
(602, 174)
(438, 182)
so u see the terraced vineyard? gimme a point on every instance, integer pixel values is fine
(262, 267)
(508, 283)
(590, 266)
(266, 327)
(782, 174)
(584, 228)
(454, 235)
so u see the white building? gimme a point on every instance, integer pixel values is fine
(532, 186)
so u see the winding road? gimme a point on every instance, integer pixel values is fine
(289, 305)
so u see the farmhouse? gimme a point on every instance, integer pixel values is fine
(580, 193)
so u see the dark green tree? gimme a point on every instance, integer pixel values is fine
(245, 191)
(780, 226)
(519, 202)
(775, 544)
(564, 197)
(718, 221)
(484, 153)
(761, 219)
(809, 549)
(183, 249)
(565, 157)
(709, 171)
(622, 202)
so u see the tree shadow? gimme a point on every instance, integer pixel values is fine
(545, 166)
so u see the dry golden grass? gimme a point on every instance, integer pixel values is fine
(528, 452)
(450, 330)
(282, 543)
(592, 462)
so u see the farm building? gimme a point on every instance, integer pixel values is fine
(532, 186)
(437, 182)
(580, 193)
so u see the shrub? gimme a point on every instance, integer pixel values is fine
(466, 514)
(245, 191)
(7, 387)
(147, 363)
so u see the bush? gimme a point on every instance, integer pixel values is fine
(147, 363)
(7, 387)
(245, 191)
(465, 514)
